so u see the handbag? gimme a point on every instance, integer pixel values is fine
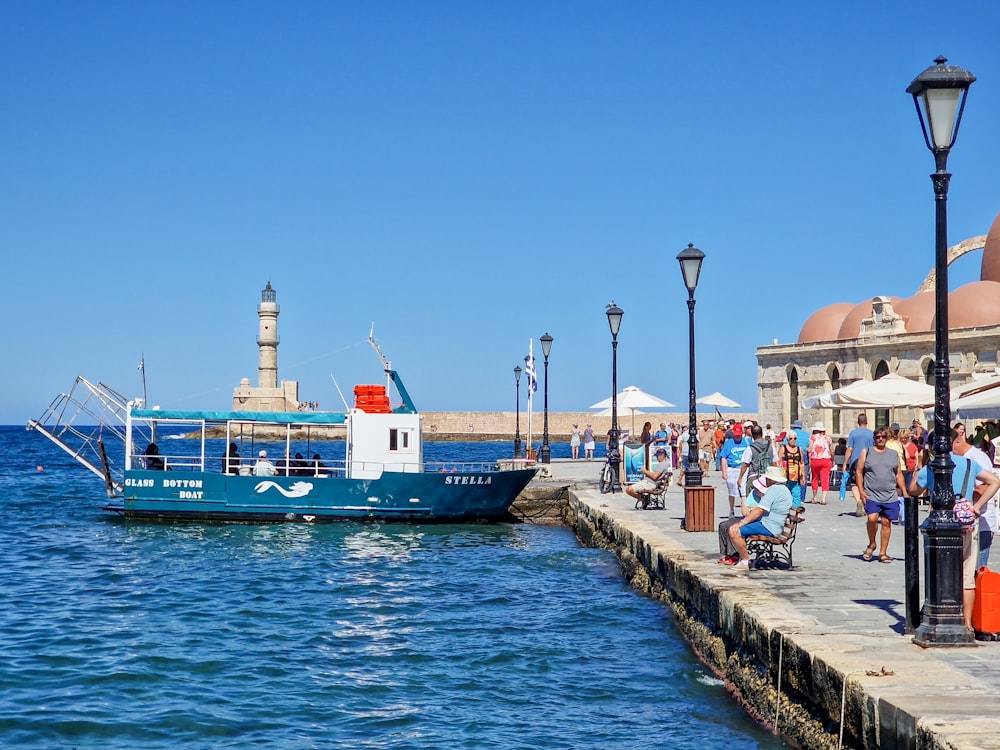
(965, 514)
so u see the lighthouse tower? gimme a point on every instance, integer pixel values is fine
(267, 338)
(269, 395)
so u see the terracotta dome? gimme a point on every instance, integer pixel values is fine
(851, 327)
(990, 270)
(918, 312)
(824, 324)
(975, 304)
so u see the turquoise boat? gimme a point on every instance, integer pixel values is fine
(189, 474)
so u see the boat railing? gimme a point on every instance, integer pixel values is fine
(452, 467)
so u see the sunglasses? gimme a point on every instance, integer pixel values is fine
(880, 436)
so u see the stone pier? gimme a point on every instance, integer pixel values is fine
(817, 653)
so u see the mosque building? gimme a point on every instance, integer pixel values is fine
(268, 395)
(842, 343)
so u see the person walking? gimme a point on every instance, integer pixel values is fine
(821, 461)
(574, 442)
(880, 485)
(732, 461)
(859, 439)
(793, 465)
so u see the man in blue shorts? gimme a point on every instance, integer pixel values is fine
(767, 517)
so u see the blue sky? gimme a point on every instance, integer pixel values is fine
(467, 176)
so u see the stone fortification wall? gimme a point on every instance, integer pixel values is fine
(470, 424)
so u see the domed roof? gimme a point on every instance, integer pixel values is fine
(824, 324)
(990, 270)
(975, 304)
(851, 327)
(917, 311)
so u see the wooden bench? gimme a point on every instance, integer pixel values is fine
(771, 549)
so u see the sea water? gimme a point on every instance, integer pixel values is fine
(118, 634)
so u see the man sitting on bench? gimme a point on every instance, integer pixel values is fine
(767, 518)
(640, 490)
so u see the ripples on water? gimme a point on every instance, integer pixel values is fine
(125, 635)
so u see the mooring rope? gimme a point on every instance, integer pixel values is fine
(777, 700)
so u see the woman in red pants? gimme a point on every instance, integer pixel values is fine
(820, 461)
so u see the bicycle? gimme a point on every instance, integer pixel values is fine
(609, 474)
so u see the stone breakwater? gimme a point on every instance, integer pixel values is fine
(818, 652)
(500, 425)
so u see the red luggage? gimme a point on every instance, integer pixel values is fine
(986, 610)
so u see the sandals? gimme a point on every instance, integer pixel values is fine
(884, 559)
(868, 553)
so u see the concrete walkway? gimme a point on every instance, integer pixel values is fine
(855, 606)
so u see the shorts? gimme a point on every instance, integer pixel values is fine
(970, 559)
(589, 446)
(704, 455)
(643, 485)
(733, 481)
(889, 510)
(757, 527)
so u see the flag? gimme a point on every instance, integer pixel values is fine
(529, 369)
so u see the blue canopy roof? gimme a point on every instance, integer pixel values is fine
(267, 417)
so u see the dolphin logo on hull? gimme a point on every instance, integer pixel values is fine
(298, 489)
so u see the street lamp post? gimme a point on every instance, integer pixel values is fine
(941, 90)
(517, 411)
(614, 314)
(545, 455)
(690, 259)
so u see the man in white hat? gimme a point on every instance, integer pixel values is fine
(263, 467)
(767, 517)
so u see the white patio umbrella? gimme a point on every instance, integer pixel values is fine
(633, 399)
(717, 399)
(887, 392)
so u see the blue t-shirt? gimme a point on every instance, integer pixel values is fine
(777, 501)
(859, 439)
(925, 477)
(660, 437)
(732, 451)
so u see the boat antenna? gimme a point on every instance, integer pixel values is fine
(340, 392)
(145, 401)
(386, 364)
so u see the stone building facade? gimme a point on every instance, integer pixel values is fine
(844, 343)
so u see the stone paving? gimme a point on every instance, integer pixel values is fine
(831, 589)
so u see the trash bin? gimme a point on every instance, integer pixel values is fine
(699, 508)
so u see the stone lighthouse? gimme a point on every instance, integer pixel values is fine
(267, 338)
(269, 395)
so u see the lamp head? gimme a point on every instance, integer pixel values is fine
(939, 95)
(690, 259)
(614, 314)
(517, 374)
(546, 344)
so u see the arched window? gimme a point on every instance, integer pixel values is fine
(880, 370)
(834, 385)
(928, 368)
(793, 394)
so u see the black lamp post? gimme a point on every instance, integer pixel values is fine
(690, 259)
(614, 314)
(942, 90)
(517, 411)
(545, 455)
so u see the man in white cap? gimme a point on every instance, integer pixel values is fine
(767, 517)
(263, 467)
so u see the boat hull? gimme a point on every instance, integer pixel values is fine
(410, 497)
